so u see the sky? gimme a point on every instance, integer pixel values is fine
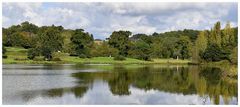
(101, 19)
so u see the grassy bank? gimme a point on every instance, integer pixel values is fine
(19, 56)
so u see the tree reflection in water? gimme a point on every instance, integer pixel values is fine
(207, 82)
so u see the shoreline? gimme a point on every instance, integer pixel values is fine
(107, 60)
(95, 62)
(16, 55)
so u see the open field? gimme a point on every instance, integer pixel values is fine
(19, 56)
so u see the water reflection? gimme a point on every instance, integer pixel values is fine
(209, 83)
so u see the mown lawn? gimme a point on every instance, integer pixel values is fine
(19, 56)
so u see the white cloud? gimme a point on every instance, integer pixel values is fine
(6, 21)
(103, 18)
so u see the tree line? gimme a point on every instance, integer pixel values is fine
(200, 46)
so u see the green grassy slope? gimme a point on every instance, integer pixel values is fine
(18, 55)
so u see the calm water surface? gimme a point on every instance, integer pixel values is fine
(115, 84)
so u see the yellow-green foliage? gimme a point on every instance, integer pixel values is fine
(66, 41)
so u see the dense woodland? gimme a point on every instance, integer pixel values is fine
(217, 44)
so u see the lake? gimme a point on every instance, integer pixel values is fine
(117, 84)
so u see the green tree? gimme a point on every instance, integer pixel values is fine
(192, 34)
(120, 40)
(168, 46)
(8, 39)
(49, 41)
(20, 35)
(228, 38)
(82, 41)
(32, 53)
(143, 37)
(215, 36)
(140, 50)
(67, 46)
(200, 46)
(235, 36)
(156, 49)
(16, 39)
(13, 29)
(201, 41)
(29, 27)
(19, 39)
(234, 55)
(103, 50)
(214, 53)
(5, 39)
(183, 47)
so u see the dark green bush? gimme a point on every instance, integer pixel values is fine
(214, 53)
(146, 57)
(4, 50)
(88, 56)
(119, 58)
(32, 53)
(20, 59)
(71, 54)
(4, 56)
(82, 56)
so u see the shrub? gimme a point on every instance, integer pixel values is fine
(146, 57)
(88, 56)
(20, 59)
(56, 59)
(38, 59)
(82, 56)
(57, 54)
(31, 57)
(32, 53)
(119, 58)
(4, 50)
(73, 54)
(4, 56)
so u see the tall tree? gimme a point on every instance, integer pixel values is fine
(140, 50)
(143, 37)
(120, 40)
(215, 36)
(200, 46)
(10, 35)
(49, 41)
(103, 50)
(234, 55)
(168, 47)
(156, 49)
(81, 41)
(228, 38)
(29, 27)
(184, 47)
(201, 41)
